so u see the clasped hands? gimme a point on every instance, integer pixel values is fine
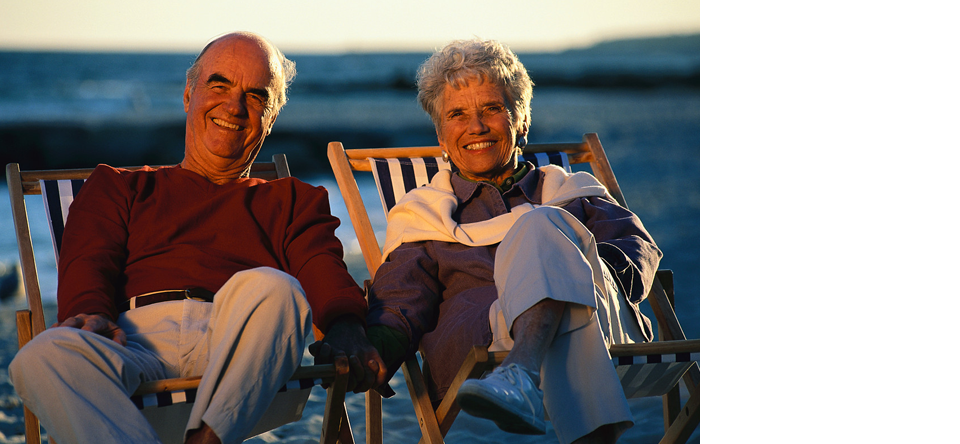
(346, 341)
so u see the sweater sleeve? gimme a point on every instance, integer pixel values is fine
(94, 246)
(315, 257)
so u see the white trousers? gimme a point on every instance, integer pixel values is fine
(549, 254)
(246, 344)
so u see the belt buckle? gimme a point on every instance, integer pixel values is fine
(193, 298)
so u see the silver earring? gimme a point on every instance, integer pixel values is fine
(445, 157)
(522, 142)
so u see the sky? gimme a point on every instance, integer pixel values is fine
(305, 26)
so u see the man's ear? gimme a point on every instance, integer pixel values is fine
(269, 127)
(186, 99)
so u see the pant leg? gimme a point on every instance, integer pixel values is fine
(79, 384)
(549, 254)
(254, 342)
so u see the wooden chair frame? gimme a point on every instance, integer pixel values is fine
(31, 322)
(679, 421)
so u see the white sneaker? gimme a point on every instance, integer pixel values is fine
(509, 397)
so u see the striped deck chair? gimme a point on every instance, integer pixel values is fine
(648, 369)
(165, 403)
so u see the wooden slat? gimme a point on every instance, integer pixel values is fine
(426, 417)
(476, 362)
(31, 179)
(334, 408)
(28, 264)
(354, 202)
(357, 157)
(685, 423)
(374, 417)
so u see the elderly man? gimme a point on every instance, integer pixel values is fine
(196, 269)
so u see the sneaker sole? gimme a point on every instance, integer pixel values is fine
(508, 421)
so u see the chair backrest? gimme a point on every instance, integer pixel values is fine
(398, 170)
(396, 176)
(58, 188)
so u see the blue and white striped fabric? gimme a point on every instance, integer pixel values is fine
(656, 359)
(57, 197)
(396, 176)
(654, 374)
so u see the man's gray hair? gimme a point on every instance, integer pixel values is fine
(284, 69)
(462, 60)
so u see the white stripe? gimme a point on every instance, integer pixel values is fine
(396, 180)
(178, 397)
(419, 171)
(66, 197)
(443, 165)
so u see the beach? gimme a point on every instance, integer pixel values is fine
(651, 134)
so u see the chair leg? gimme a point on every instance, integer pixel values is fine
(685, 423)
(671, 406)
(31, 426)
(335, 414)
(374, 416)
(426, 416)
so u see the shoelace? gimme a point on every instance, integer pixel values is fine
(511, 376)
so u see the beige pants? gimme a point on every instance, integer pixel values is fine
(246, 344)
(549, 254)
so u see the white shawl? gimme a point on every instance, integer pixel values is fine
(425, 213)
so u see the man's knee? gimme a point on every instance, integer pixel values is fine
(257, 286)
(44, 354)
(268, 278)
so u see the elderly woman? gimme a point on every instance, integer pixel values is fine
(532, 260)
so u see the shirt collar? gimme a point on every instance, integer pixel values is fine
(465, 188)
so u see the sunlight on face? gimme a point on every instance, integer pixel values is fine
(478, 130)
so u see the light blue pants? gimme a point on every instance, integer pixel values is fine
(246, 344)
(549, 254)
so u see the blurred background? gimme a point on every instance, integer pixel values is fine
(102, 82)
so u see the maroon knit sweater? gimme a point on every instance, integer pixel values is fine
(134, 232)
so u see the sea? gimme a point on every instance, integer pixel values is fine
(641, 96)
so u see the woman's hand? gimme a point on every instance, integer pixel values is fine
(98, 323)
(346, 339)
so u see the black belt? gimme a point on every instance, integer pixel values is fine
(196, 294)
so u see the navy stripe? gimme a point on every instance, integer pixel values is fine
(56, 216)
(555, 158)
(532, 158)
(76, 184)
(386, 185)
(164, 399)
(138, 401)
(432, 166)
(654, 359)
(409, 177)
(191, 395)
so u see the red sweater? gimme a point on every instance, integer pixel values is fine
(133, 232)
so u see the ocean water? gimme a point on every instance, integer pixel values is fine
(642, 98)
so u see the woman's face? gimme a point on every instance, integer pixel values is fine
(478, 131)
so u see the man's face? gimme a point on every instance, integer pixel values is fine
(231, 108)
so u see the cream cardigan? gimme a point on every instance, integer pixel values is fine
(425, 213)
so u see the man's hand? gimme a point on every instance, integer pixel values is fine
(346, 339)
(97, 323)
